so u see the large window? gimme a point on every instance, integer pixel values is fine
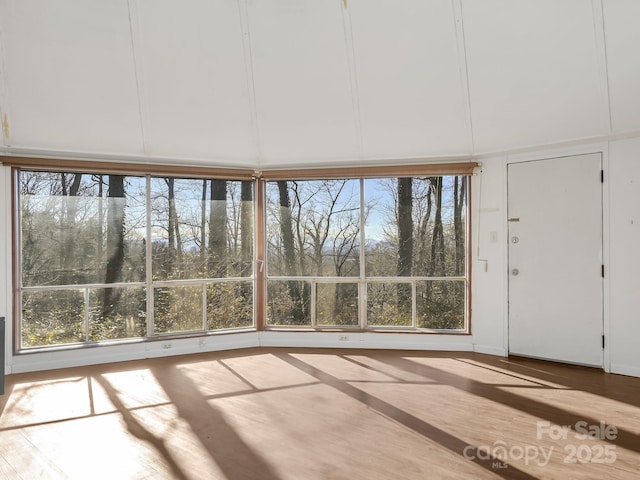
(368, 253)
(110, 256)
(104, 256)
(313, 252)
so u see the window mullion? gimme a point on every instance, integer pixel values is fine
(362, 284)
(312, 307)
(148, 261)
(204, 307)
(87, 314)
(414, 302)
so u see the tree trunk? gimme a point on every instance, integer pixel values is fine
(286, 229)
(405, 227)
(437, 264)
(218, 229)
(100, 239)
(405, 241)
(115, 240)
(459, 195)
(70, 274)
(171, 250)
(246, 227)
(203, 228)
(422, 239)
(173, 214)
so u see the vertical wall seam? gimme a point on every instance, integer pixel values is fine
(456, 6)
(4, 95)
(353, 76)
(247, 50)
(134, 32)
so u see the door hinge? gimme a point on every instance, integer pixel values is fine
(602, 271)
(601, 176)
(603, 341)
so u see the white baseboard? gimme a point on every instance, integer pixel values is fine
(393, 341)
(629, 370)
(138, 350)
(490, 350)
(79, 357)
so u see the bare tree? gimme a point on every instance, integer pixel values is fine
(405, 241)
(173, 230)
(115, 240)
(286, 230)
(68, 220)
(246, 227)
(437, 261)
(203, 225)
(422, 237)
(459, 198)
(218, 229)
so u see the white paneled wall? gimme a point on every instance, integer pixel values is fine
(264, 83)
(624, 237)
(488, 239)
(623, 62)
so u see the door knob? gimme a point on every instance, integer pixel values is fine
(515, 239)
(515, 272)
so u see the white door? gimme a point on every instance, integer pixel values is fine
(555, 259)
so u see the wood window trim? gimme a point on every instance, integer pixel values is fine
(418, 170)
(127, 168)
(351, 172)
(124, 168)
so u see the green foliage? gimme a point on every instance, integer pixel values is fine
(52, 317)
(384, 307)
(337, 304)
(288, 303)
(177, 309)
(440, 304)
(127, 318)
(229, 305)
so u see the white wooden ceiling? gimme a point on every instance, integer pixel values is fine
(272, 83)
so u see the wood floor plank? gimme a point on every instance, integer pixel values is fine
(315, 414)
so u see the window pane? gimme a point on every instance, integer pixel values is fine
(337, 304)
(441, 304)
(81, 228)
(416, 226)
(229, 305)
(201, 228)
(117, 313)
(177, 309)
(313, 228)
(288, 303)
(53, 317)
(389, 304)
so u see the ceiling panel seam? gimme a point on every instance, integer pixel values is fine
(134, 32)
(601, 52)
(245, 32)
(353, 76)
(464, 72)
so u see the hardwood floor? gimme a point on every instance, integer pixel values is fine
(301, 414)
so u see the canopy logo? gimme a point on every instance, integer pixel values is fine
(593, 449)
